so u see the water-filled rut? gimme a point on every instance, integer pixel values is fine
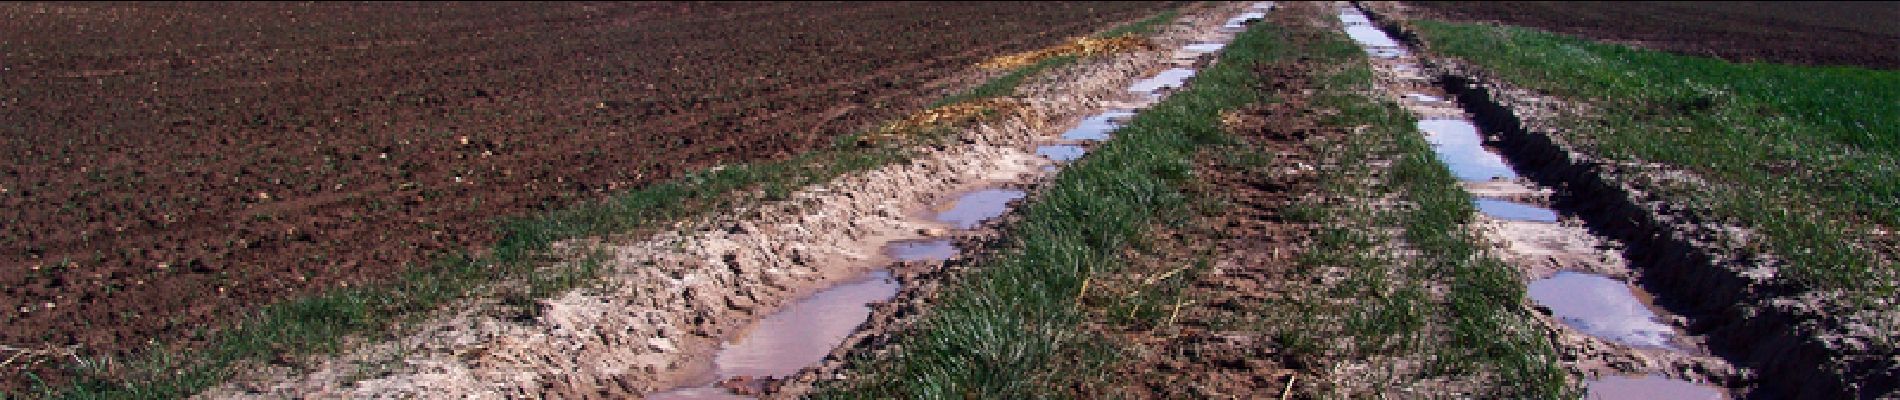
(1613, 334)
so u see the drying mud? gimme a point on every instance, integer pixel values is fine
(665, 304)
(1709, 286)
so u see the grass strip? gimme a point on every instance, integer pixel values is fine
(1008, 329)
(1805, 156)
(320, 323)
(1002, 331)
(1491, 336)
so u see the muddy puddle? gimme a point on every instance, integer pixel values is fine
(1171, 79)
(1602, 307)
(1514, 211)
(1205, 47)
(922, 250)
(973, 208)
(1061, 152)
(1098, 127)
(1649, 387)
(1461, 148)
(1573, 291)
(796, 336)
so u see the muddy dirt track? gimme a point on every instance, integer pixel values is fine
(162, 166)
(1815, 33)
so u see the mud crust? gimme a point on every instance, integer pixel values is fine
(1803, 344)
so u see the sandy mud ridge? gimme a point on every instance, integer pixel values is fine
(1728, 304)
(665, 303)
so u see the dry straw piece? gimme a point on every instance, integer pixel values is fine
(1075, 47)
(947, 115)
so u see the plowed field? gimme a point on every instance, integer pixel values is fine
(1816, 33)
(163, 167)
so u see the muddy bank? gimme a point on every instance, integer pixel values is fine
(1801, 344)
(652, 322)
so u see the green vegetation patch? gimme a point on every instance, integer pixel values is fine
(1012, 327)
(1008, 329)
(1805, 156)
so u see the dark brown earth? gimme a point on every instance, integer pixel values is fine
(164, 167)
(1207, 344)
(1798, 32)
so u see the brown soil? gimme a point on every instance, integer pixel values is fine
(655, 318)
(1207, 344)
(1808, 32)
(164, 168)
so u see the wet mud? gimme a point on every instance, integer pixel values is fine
(1583, 289)
(1784, 341)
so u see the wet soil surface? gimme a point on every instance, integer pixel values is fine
(165, 167)
(1816, 33)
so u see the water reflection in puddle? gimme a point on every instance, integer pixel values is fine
(1423, 98)
(921, 250)
(1458, 145)
(1171, 78)
(1204, 47)
(803, 333)
(796, 336)
(1061, 152)
(697, 393)
(1373, 40)
(971, 209)
(1649, 387)
(1097, 127)
(1515, 211)
(1601, 307)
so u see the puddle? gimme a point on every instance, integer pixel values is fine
(1649, 387)
(1171, 78)
(1423, 98)
(921, 250)
(796, 336)
(697, 393)
(1097, 127)
(1239, 22)
(1373, 40)
(1204, 47)
(1515, 211)
(1587, 303)
(1458, 145)
(1061, 152)
(1601, 307)
(971, 209)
